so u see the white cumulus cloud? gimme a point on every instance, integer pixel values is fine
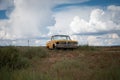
(28, 19)
(93, 25)
(98, 22)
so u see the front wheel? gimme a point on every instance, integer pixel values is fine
(54, 47)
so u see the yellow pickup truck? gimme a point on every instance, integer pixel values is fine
(61, 41)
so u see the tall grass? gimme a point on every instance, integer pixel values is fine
(15, 60)
(17, 57)
(35, 52)
(11, 58)
(87, 48)
(92, 66)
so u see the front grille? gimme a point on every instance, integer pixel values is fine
(72, 42)
(66, 45)
(67, 42)
(62, 42)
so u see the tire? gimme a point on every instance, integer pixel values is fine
(54, 46)
(47, 47)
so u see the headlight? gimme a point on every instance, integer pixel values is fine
(57, 42)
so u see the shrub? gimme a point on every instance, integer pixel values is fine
(11, 58)
(34, 52)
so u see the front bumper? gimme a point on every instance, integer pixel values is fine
(66, 46)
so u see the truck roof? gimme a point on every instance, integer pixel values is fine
(60, 35)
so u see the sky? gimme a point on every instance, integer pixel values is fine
(90, 22)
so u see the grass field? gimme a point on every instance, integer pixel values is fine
(39, 63)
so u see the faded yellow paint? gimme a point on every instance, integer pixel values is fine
(52, 44)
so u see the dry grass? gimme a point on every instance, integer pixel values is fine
(84, 63)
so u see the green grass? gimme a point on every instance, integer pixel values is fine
(18, 57)
(84, 63)
(88, 48)
(11, 58)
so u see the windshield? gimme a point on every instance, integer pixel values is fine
(60, 38)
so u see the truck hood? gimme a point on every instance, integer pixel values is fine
(65, 41)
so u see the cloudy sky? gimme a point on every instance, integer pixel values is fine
(93, 22)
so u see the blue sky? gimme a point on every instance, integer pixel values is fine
(88, 21)
(3, 14)
(102, 3)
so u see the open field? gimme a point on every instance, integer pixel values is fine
(39, 63)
